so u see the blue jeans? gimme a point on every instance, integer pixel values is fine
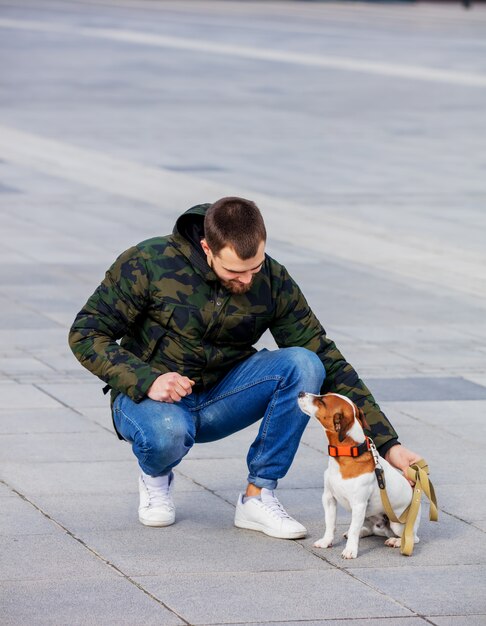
(265, 385)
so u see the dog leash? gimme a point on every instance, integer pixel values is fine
(419, 473)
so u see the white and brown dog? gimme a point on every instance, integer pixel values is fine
(350, 477)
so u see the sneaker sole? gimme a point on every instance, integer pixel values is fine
(268, 531)
(154, 523)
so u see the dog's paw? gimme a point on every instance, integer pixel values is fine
(393, 542)
(323, 543)
(349, 553)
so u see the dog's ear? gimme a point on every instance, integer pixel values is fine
(362, 420)
(342, 422)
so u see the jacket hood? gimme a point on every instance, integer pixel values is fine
(187, 234)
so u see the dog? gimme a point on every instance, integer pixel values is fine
(351, 479)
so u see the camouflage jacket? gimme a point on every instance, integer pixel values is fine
(172, 314)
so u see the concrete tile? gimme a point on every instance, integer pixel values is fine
(15, 396)
(465, 501)
(425, 389)
(226, 473)
(432, 590)
(98, 477)
(48, 556)
(20, 365)
(32, 338)
(462, 418)
(86, 395)
(85, 601)
(81, 513)
(67, 447)
(207, 605)
(100, 416)
(32, 421)
(21, 518)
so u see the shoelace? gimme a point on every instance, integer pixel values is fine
(275, 508)
(159, 496)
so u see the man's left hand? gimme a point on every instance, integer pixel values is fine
(401, 458)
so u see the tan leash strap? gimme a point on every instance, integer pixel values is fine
(417, 472)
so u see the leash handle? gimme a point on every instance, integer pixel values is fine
(418, 472)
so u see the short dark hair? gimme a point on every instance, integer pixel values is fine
(237, 223)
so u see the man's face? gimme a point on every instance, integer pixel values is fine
(234, 273)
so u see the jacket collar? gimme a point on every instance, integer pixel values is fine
(188, 232)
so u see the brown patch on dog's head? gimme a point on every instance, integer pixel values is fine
(335, 414)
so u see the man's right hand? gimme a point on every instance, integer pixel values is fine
(170, 387)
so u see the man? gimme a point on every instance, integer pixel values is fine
(188, 309)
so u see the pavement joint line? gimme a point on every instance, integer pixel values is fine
(94, 552)
(47, 393)
(211, 491)
(350, 573)
(402, 71)
(67, 406)
(460, 519)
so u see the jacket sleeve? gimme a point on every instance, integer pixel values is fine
(108, 314)
(296, 325)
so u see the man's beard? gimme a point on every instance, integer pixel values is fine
(234, 286)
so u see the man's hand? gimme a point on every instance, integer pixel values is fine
(170, 387)
(401, 458)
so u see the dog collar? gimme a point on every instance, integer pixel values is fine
(352, 451)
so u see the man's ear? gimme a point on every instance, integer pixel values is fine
(205, 247)
(362, 420)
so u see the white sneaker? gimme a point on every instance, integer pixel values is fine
(267, 515)
(156, 504)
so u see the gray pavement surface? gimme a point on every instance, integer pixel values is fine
(360, 130)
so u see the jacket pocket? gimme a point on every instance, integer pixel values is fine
(155, 334)
(242, 330)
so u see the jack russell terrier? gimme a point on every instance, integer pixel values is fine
(350, 477)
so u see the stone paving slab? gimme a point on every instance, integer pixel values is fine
(83, 600)
(64, 447)
(71, 478)
(47, 557)
(100, 416)
(21, 518)
(427, 590)
(36, 420)
(82, 396)
(424, 389)
(15, 396)
(209, 606)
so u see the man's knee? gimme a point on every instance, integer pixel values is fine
(169, 436)
(305, 364)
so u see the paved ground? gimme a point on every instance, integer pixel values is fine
(360, 131)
